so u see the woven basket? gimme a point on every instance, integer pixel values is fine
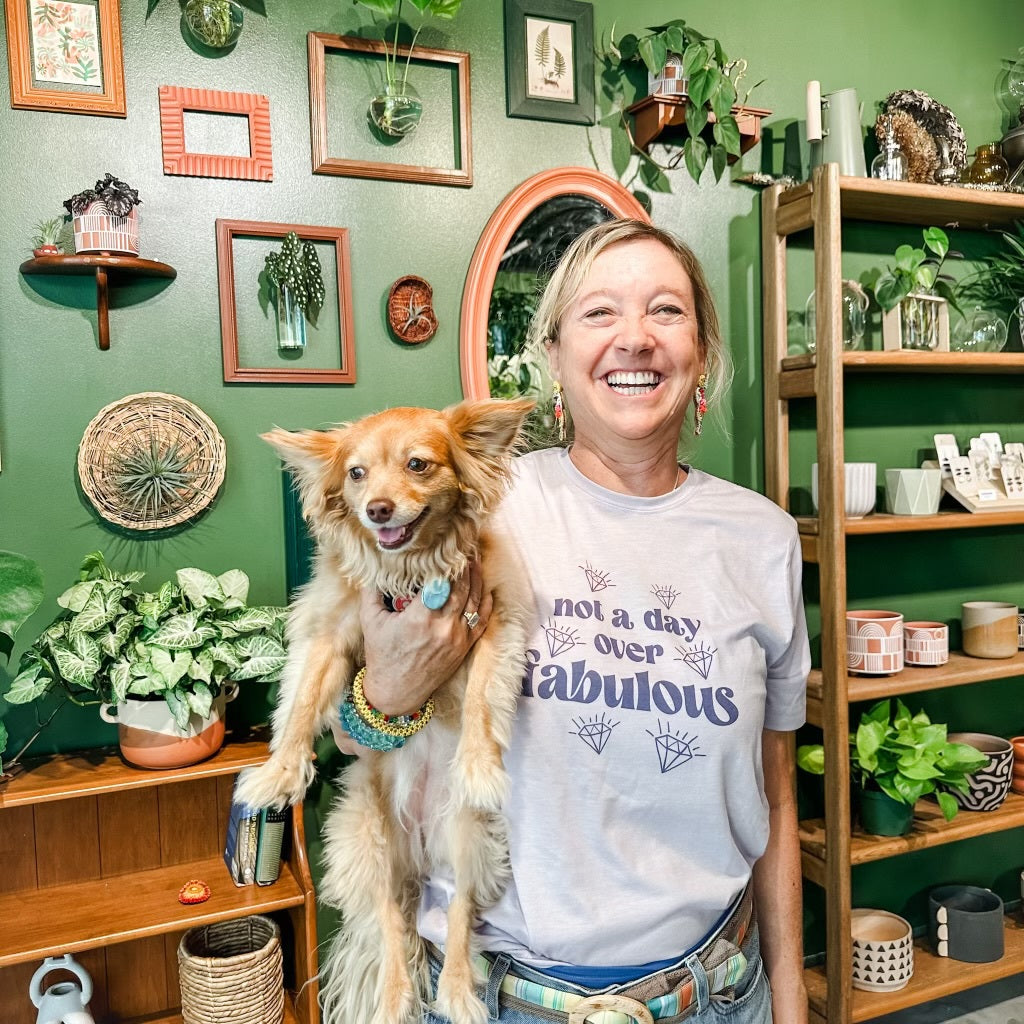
(134, 425)
(230, 973)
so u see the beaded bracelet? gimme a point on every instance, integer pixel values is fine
(397, 726)
(362, 733)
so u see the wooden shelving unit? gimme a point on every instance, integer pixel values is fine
(107, 270)
(94, 853)
(821, 206)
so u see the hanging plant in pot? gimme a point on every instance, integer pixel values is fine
(895, 759)
(214, 24)
(161, 664)
(396, 110)
(296, 278)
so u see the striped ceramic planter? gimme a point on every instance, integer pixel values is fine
(96, 230)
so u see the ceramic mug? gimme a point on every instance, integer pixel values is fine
(989, 629)
(858, 488)
(874, 642)
(925, 643)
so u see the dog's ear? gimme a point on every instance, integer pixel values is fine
(489, 428)
(305, 451)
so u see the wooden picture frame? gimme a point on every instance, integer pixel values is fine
(318, 44)
(50, 72)
(175, 100)
(560, 88)
(345, 373)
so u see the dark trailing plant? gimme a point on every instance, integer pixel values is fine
(118, 197)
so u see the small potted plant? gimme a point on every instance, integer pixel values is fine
(106, 217)
(396, 110)
(296, 278)
(46, 240)
(915, 295)
(161, 664)
(685, 65)
(895, 759)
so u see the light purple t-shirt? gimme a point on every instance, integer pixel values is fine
(669, 632)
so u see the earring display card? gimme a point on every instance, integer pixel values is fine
(989, 478)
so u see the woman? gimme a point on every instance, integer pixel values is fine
(652, 765)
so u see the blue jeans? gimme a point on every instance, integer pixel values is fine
(749, 1002)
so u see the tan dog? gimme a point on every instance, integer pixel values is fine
(394, 500)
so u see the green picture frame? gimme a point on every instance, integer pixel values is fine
(549, 60)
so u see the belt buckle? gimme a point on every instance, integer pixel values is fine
(610, 1001)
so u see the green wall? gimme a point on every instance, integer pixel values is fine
(53, 379)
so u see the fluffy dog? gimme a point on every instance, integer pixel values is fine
(395, 500)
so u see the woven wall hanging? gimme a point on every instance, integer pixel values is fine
(151, 461)
(411, 311)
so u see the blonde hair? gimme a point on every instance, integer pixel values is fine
(567, 279)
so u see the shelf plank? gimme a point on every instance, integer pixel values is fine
(905, 202)
(93, 772)
(908, 361)
(960, 670)
(934, 978)
(882, 522)
(87, 915)
(89, 263)
(930, 829)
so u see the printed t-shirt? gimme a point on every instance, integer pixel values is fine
(669, 632)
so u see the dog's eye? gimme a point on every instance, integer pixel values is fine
(418, 465)
(356, 473)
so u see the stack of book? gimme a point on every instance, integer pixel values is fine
(252, 850)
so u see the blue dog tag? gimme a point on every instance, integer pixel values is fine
(435, 593)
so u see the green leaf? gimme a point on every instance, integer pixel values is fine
(719, 161)
(696, 118)
(93, 566)
(700, 86)
(171, 666)
(722, 99)
(948, 805)
(694, 58)
(811, 758)
(101, 608)
(177, 701)
(112, 641)
(444, 9)
(79, 660)
(910, 791)
(224, 654)
(76, 597)
(120, 676)
(235, 586)
(3, 742)
(201, 668)
(907, 257)
(653, 52)
(181, 632)
(675, 39)
(199, 587)
(891, 291)
(937, 241)
(200, 699)
(727, 133)
(250, 620)
(695, 154)
(28, 686)
(262, 658)
(21, 593)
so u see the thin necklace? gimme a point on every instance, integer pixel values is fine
(680, 477)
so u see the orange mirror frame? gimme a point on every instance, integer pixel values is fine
(506, 219)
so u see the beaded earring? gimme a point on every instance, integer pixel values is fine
(700, 404)
(559, 409)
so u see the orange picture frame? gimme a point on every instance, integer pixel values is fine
(49, 72)
(227, 230)
(176, 99)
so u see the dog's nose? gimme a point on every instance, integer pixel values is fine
(380, 510)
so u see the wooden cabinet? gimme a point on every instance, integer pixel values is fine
(830, 847)
(94, 853)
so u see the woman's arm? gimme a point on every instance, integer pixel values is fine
(777, 883)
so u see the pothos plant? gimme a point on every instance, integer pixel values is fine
(180, 643)
(297, 267)
(712, 89)
(396, 76)
(917, 270)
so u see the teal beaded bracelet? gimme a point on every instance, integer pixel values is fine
(363, 733)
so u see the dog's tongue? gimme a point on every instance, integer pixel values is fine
(390, 534)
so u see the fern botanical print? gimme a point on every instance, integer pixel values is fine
(550, 48)
(65, 43)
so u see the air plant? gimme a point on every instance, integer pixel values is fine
(152, 477)
(118, 197)
(48, 232)
(416, 313)
(297, 268)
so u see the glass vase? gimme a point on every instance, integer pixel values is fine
(397, 110)
(291, 321)
(979, 331)
(919, 320)
(990, 166)
(214, 23)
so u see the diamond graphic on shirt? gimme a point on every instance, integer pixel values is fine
(665, 594)
(559, 639)
(595, 733)
(673, 749)
(596, 580)
(699, 658)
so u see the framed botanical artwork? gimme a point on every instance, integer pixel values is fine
(549, 60)
(438, 152)
(253, 348)
(175, 100)
(65, 55)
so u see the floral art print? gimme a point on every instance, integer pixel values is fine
(65, 43)
(549, 48)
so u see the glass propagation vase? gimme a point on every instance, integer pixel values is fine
(291, 321)
(214, 23)
(979, 331)
(396, 111)
(919, 321)
(855, 305)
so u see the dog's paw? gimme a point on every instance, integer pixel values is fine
(397, 1000)
(278, 783)
(481, 782)
(456, 998)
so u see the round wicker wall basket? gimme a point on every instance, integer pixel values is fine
(151, 461)
(231, 971)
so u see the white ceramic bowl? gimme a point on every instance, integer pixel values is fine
(883, 950)
(859, 486)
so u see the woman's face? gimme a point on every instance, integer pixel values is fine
(628, 354)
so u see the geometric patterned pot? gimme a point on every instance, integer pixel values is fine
(96, 230)
(883, 950)
(874, 642)
(988, 785)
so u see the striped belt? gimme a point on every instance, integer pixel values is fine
(720, 957)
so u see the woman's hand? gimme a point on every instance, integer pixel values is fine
(409, 654)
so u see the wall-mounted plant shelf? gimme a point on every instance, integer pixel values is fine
(108, 269)
(653, 116)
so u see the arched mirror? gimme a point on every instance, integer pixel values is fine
(523, 240)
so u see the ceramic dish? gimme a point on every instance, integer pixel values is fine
(883, 950)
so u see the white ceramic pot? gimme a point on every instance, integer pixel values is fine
(989, 628)
(150, 738)
(883, 950)
(913, 492)
(858, 488)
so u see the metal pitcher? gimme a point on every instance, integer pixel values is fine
(842, 137)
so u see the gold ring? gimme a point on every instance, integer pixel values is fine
(472, 618)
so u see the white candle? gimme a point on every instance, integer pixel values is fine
(814, 111)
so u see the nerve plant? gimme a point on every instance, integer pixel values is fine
(181, 643)
(905, 756)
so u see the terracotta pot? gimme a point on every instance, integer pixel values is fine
(47, 250)
(1017, 742)
(925, 643)
(874, 642)
(880, 815)
(150, 738)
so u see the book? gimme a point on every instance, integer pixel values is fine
(240, 845)
(268, 846)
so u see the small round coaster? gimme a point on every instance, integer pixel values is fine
(194, 891)
(435, 593)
